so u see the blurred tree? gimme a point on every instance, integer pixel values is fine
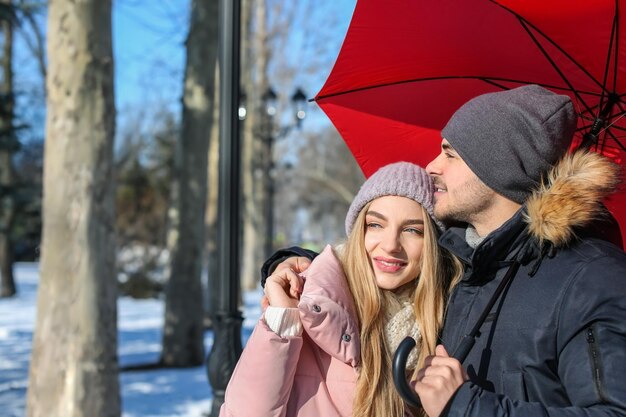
(26, 231)
(254, 81)
(20, 198)
(8, 146)
(74, 368)
(144, 170)
(212, 251)
(183, 334)
(143, 177)
(323, 186)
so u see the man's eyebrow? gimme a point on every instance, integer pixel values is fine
(447, 147)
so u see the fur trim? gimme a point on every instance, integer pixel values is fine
(571, 196)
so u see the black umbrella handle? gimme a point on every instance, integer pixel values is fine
(399, 372)
(399, 366)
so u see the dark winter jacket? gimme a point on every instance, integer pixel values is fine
(555, 342)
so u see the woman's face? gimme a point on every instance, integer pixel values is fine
(394, 239)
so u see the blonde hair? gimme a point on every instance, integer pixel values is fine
(375, 393)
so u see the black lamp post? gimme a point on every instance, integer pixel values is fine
(269, 98)
(224, 286)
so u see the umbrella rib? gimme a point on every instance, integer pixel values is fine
(610, 133)
(490, 80)
(609, 53)
(616, 118)
(526, 24)
(615, 36)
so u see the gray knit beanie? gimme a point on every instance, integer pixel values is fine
(403, 179)
(510, 139)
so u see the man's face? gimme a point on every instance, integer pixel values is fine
(459, 194)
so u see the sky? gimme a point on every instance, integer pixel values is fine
(148, 43)
(158, 393)
(148, 47)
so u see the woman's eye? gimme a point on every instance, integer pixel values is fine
(414, 231)
(372, 225)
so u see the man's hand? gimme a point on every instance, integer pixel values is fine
(291, 266)
(438, 380)
(295, 264)
(283, 289)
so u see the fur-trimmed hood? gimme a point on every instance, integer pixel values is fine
(570, 197)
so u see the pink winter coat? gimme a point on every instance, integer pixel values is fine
(312, 375)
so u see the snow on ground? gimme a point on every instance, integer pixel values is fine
(156, 393)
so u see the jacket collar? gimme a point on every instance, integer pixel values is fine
(493, 252)
(563, 205)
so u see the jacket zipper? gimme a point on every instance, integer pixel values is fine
(594, 355)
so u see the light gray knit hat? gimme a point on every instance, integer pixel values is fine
(510, 139)
(403, 179)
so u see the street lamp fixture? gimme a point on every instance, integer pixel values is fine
(270, 100)
(298, 99)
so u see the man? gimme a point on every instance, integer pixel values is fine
(554, 342)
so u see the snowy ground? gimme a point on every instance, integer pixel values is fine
(183, 393)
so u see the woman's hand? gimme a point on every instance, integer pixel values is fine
(283, 288)
(293, 264)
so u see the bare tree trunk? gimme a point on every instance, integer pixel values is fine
(183, 335)
(250, 215)
(256, 50)
(8, 144)
(74, 368)
(212, 204)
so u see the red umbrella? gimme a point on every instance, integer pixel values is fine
(406, 65)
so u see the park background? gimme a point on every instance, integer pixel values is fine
(298, 179)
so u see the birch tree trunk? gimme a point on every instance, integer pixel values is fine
(8, 144)
(74, 368)
(183, 335)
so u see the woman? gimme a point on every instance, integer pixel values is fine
(324, 344)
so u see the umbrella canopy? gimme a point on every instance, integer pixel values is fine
(406, 65)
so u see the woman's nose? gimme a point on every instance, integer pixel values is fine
(391, 241)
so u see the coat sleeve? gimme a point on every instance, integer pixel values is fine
(261, 382)
(591, 346)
